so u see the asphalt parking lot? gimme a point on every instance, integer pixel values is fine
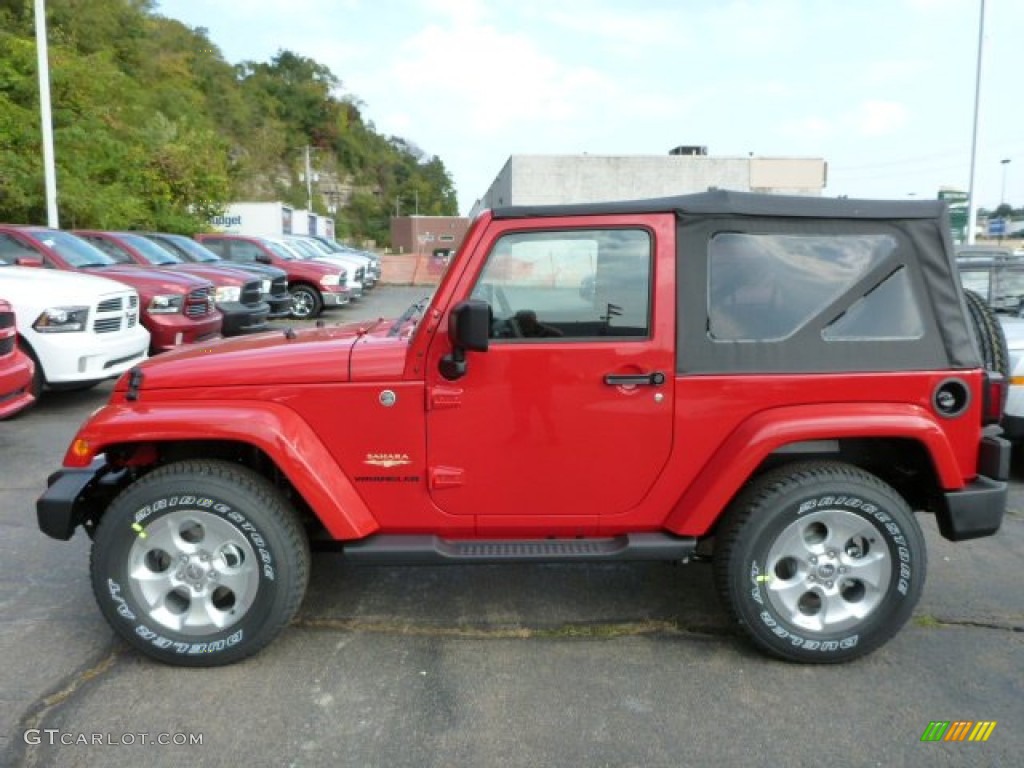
(545, 665)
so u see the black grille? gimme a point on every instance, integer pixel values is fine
(107, 324)
(198, 303)
(110, 305)
(7, 346)
(6, 319)
(251, 293)
(133, 301)
(279, 286)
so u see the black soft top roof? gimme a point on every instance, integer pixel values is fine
(727, 202)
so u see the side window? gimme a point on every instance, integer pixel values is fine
(571, 284)
(216, 245)
(244, 251)
(767, 287)
(115, 252)
(11, 250)
(888, 311)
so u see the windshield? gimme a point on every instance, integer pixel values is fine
(305, 249)
(407, 322)
(281, 250)
(192, 249)
(330, 245)
(313, 244)
(150, 251)
(74, 250)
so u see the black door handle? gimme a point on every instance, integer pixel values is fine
(655, 379)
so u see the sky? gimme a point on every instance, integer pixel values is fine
(882, 90)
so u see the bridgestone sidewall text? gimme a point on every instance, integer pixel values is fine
(895, 526)
(140, 507)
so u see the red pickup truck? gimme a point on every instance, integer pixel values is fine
(177, 309)
(236, 293)
(16, 368)
(773, 384)
(313, 285)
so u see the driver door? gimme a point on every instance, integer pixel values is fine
(568, 414)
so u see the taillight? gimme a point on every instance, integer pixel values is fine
(994, 400)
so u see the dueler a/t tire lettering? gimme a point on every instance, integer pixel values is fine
(199, 563)
(819, 562)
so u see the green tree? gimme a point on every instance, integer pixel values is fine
(154, 129)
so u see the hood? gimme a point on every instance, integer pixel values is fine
(36, 287)
(308, 356)
(149, 280)
(216, 274)
(352, 352)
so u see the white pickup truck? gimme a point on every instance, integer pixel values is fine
(78, 329)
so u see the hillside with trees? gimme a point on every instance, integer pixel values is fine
(154, 129)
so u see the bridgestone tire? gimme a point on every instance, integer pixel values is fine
(990, 334)
(819, 562)
(199, 563)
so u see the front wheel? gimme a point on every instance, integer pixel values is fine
(306, 302)
(199, 563)
(820, 562)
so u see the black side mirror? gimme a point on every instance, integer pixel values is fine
(469, 329)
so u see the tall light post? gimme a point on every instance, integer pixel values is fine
(972, 206)
(1002, 195)
(46, 116)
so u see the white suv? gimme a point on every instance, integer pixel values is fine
(79, 329)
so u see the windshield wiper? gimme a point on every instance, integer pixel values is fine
(410, 315)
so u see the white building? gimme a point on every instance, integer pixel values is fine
(558, 179)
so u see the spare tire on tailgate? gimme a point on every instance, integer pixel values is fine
(990, 334)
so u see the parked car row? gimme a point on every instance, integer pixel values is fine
(995, 274)
(81, 306)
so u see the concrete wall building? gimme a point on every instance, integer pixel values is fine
(558, 179)
(426, 234)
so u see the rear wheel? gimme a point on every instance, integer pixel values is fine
(199, 563)
(820, 562)
(306, 302)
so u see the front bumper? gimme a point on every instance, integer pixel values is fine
(977, 510)
(15, 384)
(335, 298)
(242, 318)
(280, 306)
(172, 331)
(70, 358)
(73, 495)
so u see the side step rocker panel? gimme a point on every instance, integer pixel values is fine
(386, 549)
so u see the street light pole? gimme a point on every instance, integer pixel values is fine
(1002, 195)
(972, 206)
(309, 182)
(46, 116)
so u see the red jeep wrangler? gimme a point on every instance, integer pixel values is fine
(774, 383)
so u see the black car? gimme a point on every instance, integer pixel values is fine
(274, 280)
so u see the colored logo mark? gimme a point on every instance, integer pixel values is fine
(958, 730)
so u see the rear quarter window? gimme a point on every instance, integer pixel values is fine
(766, 287)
